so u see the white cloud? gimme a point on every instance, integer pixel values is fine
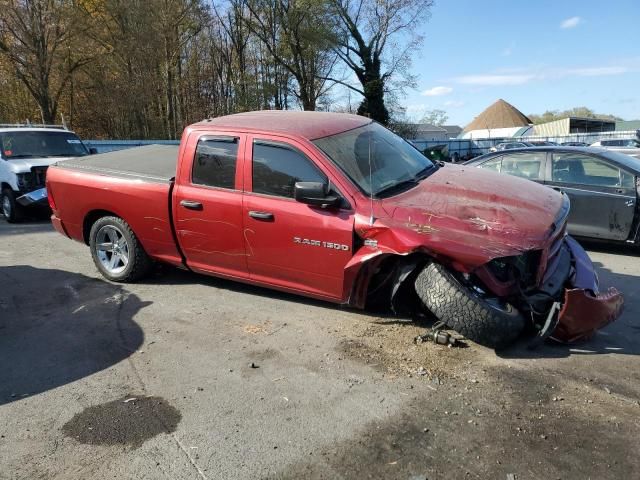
(437, 91)
(571, 22)
(596, 71)
(522, 76)
(454, 103)
(495, 80)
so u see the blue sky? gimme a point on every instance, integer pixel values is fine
(538, 55)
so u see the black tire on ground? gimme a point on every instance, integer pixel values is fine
(490, 323)
(10, 208)
(138, 262)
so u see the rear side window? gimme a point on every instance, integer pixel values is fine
(276, 169)
(525, 165)
(215, 163)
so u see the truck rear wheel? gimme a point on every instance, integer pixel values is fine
(485, 320)
(10, 208)
(116, 251)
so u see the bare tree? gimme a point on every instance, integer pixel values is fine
(296, 35)
(37, 37)
(375, 39)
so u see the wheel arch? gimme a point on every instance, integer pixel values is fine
(386, 281)
(92, 217)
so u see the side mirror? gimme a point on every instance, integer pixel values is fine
(315, 193)
(93, 150)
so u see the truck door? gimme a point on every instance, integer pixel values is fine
(289, 244)
(207, 205)
(603, 196)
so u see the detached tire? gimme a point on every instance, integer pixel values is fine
(10, 208)
(116, 251)
(486, 321)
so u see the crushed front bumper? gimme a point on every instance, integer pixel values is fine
(34, 198)
(585, 310)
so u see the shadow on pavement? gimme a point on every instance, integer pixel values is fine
(621, 337)
(168, 275)
(57, 327)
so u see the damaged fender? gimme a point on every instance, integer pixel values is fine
(585, 310)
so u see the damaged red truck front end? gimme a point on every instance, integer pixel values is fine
(501, 237)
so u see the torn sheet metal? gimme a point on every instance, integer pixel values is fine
(583, 313)
(585, 310)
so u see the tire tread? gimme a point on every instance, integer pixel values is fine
(466, 312)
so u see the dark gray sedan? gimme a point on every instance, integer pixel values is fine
(602, 185)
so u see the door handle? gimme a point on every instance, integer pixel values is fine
(191, 204)
(557, 189)
(261, 215)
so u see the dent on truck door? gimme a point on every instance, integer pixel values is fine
(208, 208)
(291, 244)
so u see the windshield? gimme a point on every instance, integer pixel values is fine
(378, 161)
(30, 144)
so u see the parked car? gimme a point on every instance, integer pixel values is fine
(574, 144)
(627, 146)
(509, 145)
(25, 154)
(601, 184)
(618, 142)
(541, 143)
(336, 207)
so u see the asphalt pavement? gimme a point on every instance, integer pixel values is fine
(189, 377)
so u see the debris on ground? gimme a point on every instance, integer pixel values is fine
(437, 335)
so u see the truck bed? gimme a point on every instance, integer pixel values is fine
(133, 184)
(155, 163)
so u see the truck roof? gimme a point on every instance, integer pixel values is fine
(309, 125)
(34, 129)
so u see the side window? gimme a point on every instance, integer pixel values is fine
(525, 165)
(493, 164)
(277, 168)
(215, 163)
(627, 180)
(587, 170)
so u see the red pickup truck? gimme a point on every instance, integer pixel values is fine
(336, 207)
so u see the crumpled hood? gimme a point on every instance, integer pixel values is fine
(473, 215)
(23, 165)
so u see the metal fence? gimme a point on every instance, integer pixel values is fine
(468, 148)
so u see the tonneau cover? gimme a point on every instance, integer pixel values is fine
(151, 163)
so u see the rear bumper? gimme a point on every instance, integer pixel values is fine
(585, 310)
(58, 225)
